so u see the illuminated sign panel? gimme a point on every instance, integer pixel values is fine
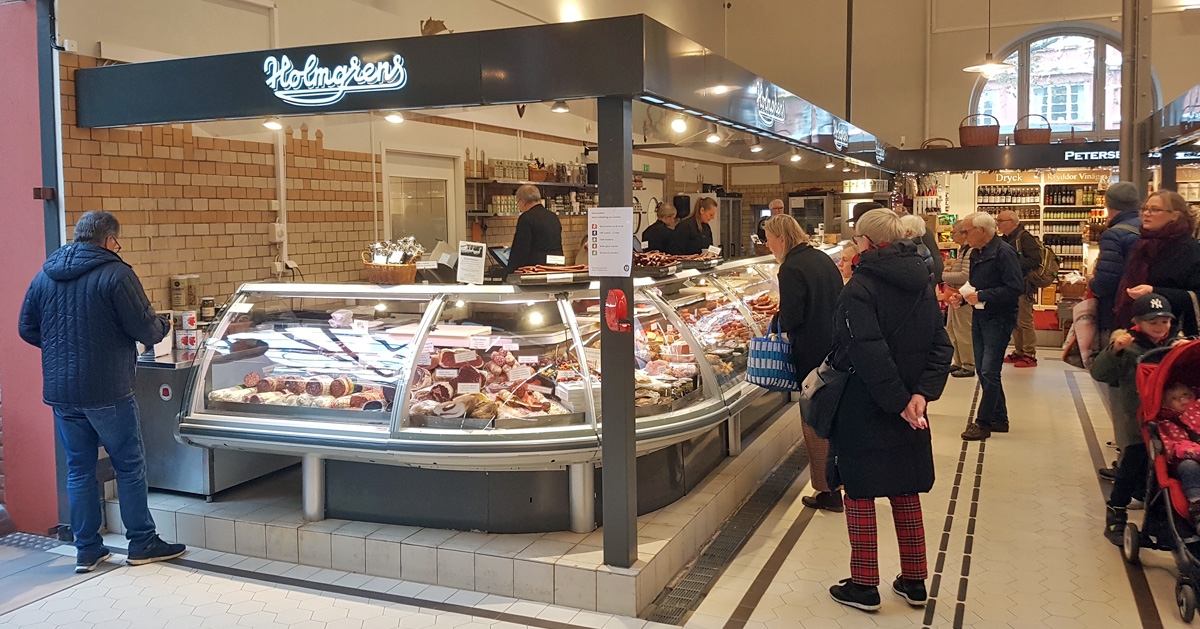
(315, 85)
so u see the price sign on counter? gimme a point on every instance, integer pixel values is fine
(468, 387)
(471, 262)
(593, 356)
(516, 374)
(714, 250)
(553, 259)
(610, 241)
(527, 360)
(427, 265)
(480, 342)
(446, 374)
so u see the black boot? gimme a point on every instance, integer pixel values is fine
(825, 500)
(1114, 524)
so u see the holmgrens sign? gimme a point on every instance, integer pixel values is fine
(770, 107)
(315, 85)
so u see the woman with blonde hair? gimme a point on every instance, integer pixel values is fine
(846, 261)
(809, 285)
(1165, 260)
(693, 235)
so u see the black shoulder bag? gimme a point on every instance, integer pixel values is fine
(822, 389)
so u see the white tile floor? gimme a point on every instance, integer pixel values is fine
(1037, 558)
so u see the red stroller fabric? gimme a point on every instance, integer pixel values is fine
(1181, 364)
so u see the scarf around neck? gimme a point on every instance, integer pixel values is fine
(1146, 252)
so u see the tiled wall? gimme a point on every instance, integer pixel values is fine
(500, 232)
(193, 204)
(764, 193)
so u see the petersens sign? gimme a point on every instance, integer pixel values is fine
(315, 85)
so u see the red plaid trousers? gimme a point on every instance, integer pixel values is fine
(864, 539)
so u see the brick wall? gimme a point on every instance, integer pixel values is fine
(762, 194)
(500, 232)
(194, 204)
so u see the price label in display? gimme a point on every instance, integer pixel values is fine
(540, 389)
(428, 349)
(424, 360)
(510, 347)
(465, 356)
(427, 265)
(687, 273)
(593, 356)
(559, 260)
(559, 277)
(567, 375)
(480, 342)
(527, 360)
(359, 327)
(468, 387)
(520, 373)
(714, 250)
(446, 374)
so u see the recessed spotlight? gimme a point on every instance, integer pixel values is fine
(713, 137)
(720, 89)
(846, 167)
(395, 117)
(679, 124)
(756, 146)
(828, 162)
(459, 304)
(273, 124)
(560, 107)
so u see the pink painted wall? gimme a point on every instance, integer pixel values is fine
(28, 425)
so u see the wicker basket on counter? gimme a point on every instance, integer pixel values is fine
(389, 274)
(1032, 136)
(979, 135)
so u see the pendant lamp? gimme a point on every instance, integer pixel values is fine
(990, 66)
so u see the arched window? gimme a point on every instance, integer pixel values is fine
(1071, 75)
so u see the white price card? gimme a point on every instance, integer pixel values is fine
(714, 250)
(424, 360)
(465, 356)
(471, 261)
(593, 356)
(428, 349)
(558, 277)
(359, 326)
(446, 374)
(427, 265)
(510, 347)
(610, 241)
(559, 260)
(517, 374)
(480, 342)
(527, 360)
(467, 387)
(243, 306)
(687, 273)
(540, 389)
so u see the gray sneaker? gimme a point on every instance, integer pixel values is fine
(156, 550)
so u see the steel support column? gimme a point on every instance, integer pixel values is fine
(1136, 87)
(618, 442)
(312, 472)
(582, 497)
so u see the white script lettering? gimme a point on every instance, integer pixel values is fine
(314, 85)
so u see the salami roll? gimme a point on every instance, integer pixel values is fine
(318, 385)
(341, 387)
(271, 383)
(251, 379)
(231, 394)
(295, 384)
(323, 401)
(359, 399)
(345, 401)
(269, 397)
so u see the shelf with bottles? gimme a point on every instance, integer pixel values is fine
(1064, 214)
(1024, 212)
(1063, 229)
(1008, 195)
(1086, 195)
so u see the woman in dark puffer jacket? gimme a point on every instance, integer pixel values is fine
(888, 330)
(1116, 243)
(1166, 260)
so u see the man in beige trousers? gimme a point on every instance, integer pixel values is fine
(958, 318)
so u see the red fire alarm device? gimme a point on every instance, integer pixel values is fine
(616, 311)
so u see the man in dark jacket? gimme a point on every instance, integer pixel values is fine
(995, 288)
(84, 310)
(1116, 243)
(539, 233)
(1029, 252)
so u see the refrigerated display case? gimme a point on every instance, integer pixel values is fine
(414, 397)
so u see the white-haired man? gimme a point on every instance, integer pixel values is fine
(538, 234)
(996, 283)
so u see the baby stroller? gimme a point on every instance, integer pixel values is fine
(1166, 524)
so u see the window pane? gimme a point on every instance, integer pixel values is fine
(1060, 78)
(1112, 88)
(999, 97)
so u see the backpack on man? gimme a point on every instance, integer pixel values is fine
(1047, 272)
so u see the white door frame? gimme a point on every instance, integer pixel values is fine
(457, 222)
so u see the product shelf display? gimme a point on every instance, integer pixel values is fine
(472, 378)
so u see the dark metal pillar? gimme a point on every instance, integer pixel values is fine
(618, 446)
(1136, 86)
(1169, 180)
(849, 59)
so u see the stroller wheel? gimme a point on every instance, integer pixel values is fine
(1185, 599)
(1131, 543)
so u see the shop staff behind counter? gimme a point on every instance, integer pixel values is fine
(693, 235)
(538, 234)
(661, 236)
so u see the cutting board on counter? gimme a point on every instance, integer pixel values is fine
(443, 335)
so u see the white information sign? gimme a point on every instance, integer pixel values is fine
(471, 261)
(610, 241)
(559, 260)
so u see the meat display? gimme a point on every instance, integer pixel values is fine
(552, 268)
(496, 384)
(322, 391)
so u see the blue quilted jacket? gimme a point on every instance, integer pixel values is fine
(84, 310)
(1115, 246)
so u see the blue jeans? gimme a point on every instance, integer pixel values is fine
(118, 429)
(1188, 472)
(989, 335)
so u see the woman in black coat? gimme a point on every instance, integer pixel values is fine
(888, 331)
(1165, 260)
(660, 236)
(693, 235)
(809, 285)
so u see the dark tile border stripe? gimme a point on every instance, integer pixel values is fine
(766, 576)
(330, 588)
(1142, 597)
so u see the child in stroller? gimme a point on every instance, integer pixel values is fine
(1179, 428)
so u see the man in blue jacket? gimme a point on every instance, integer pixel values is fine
(1116, 243)
(997, 283)
(84, 310)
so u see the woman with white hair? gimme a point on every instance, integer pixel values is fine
(660, 236)
(915, 230)
(888, 335)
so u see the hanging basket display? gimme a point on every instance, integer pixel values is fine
(1073, 139)
(979, 135)
(938, 143)
(1029, 135)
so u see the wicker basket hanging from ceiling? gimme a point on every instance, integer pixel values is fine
(1029, 135)
(979, 135)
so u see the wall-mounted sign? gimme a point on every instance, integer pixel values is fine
(769, 105)
(841, 135)
(315, 85)
(1091, 156)
(880, 153)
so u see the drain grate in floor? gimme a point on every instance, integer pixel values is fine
(29, 542)
(686, 593)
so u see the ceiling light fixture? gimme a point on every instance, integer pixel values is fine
(713, 137)
(795, 155)
(560, 107)
(845, 167)
(990, 66)
(828, 162)
(395, 117)
(756, 146)
(273, 124)
(679, 124)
